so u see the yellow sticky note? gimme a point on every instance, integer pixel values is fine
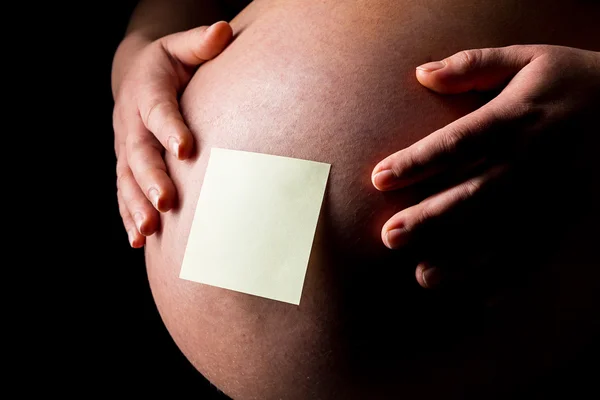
(254, 224)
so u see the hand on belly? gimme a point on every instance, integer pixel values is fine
(346, 105)
(476, 162)
(146, 118)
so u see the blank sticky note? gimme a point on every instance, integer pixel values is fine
(254, 224)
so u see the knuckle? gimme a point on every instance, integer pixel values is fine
(149, 116)
(521, 108)
(471, 187)
(142, 151)
(162, 47)
(417, 157)
(526, 112)
(135, 142)
(470, 59)
(118, 124)
(410, 161)
(124, 216)
(449, 143)
(158, 113)
(400, 163)
(156, 49)
(116, 116)
(121, 152)
(123, 211)
(423, 217)
(539, 49)
(131, 142)
(121, 177)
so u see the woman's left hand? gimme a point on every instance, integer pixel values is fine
(542, 87)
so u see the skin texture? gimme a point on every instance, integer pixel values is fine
(548, 94)
(164, 44)
(335, 82)
(146, 117)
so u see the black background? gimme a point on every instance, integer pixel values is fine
(94, 328)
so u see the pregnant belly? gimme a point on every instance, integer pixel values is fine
(332, 83)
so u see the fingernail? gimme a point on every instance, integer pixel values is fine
(154, 197)
(432, 66)
(396, 238)
(139, 220)
(212, 27)
(431, 276)
(130, 238)
(384, 179)
(174, 146)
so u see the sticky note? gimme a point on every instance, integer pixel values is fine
(254, 223)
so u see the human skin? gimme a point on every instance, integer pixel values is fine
(334, 82)
(547, 104)
(164, 43)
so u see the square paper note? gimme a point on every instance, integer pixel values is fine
(254, 223)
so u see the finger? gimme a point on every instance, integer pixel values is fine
(428, 215)
(428, 276)
(118, 130)
(159, 111)
(159, 107)
(195, 46)
(468, 138)
(431, 276)
(474, 270)
(476, 69)
(145, 158)
(485, 132)
(136, 239)
(144, 216)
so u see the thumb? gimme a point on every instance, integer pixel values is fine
(195, 46)
(477, 69)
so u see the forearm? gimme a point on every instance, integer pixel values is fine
(153, 19)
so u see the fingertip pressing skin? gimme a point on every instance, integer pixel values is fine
(186, 146)
(163, 120)
(425, 74)
(395, 233)
(180, 142)
(150, 176)
(136, 210)
(160, 190)
(444, 80)
(139, 218)
(146, 223)
(220, 32)
(428, 276)
(475, 69)
(204, 44)
(178, 148)
(395, 238)
(161, 200)
(136, 240)
(383, 176)
(384, 180)
(405, 167)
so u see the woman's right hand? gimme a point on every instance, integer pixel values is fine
(146, 120)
